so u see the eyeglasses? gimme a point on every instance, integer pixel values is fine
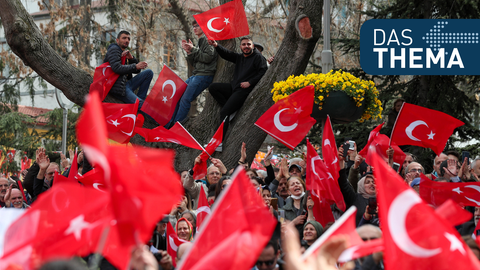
(196, 26)
(416, 170)
(267, 263)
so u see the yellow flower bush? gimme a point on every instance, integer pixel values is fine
(361, 91)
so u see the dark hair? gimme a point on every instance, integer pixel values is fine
(275, 169)
(274, 245)
(218, 188)
(398, 100)
(211, 190)
(453, 153)
(410, 154)
(123, 32)
(194, 22)
(259, 180)
(251, 170)
(246, 37)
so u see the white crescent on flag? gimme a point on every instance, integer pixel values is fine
(210, 27)
(280, 126)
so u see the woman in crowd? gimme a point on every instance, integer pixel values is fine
(312, 230)
(192, 218)
(184, 230)
(294, 205)
(392, 116)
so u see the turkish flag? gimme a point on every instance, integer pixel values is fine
(320, 180)
(173, 242)
(235, 233)
(65, 221)
(103, 79)
(329, 150)
(163, 98)
(120, 120)
(380, 143)
(58, 178)
(436, 193)
(177, 134)
(345, 225)
(423, 127)
(200, 169)
(137, 205)
(321, 210)
(93, 178)
(26, 163)
(203, 209)
(289, 119)
(452, 212)
(374, 133)
(224, 22)
(413, 233)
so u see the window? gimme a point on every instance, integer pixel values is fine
(170, 51)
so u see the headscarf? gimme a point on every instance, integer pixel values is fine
(361, 187)
(190, 228)
(318, 227)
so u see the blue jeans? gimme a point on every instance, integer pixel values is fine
(141, 81)
(196, 85)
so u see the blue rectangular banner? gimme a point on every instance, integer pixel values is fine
(420, 47)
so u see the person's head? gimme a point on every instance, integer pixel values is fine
(16, 198)
(295, 170)
(256, 182)
(415, 184)
(295, 186)
(3, 187)
(246, 45)
(262, 174)
(408, 159)
(258, 46)
(187, 199)
(269, 256)
(50, 173)
(191, 217)
(182, 249)
(312, 230)
(221, 185)
(196, 29)
(366, 186)
(369, 232)
(183, 176)
(184, 229)
(251, 173)
(453, 155)
(213, 174)
(282, 190)
(437, 161)
(476, 166)
(397, 105)
(267, 196)
(415, 168)
(476, 215)
(162, 226)
(123, 39)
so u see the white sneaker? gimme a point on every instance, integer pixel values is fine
(219, 148)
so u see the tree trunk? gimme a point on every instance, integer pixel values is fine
(26, 41)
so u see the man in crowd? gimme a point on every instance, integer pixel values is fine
(250, 66)
(40, 175)
(14, 198)
(124, 87)
(3, 190)
(203, 58)
(269, 257)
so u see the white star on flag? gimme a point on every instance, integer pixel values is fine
(298, 110)
(115, 123)
(457, 190)
(430, 136)
(164, 99)
(455, 244)
(77, 225)
(226, 21)
(157, 138)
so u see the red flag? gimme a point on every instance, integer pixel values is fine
(73, 170)
(380, 143)
(163, 98)
(235, 233)
(453, 213)
(423, 127)
(173, 242)
(289, 119)
(93, 178)
(413, 233)
(177, 134)
(120, 120)
(321, 210)
(200, 169)
(26, 163)
(103, 79)
(203, 209)
(329, 150)
(224, 22)
(346, 226)
(65, 221)
(58, 178)
(320, 180)
(374, 133)
(436, 193)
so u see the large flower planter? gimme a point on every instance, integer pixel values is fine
(340, 107)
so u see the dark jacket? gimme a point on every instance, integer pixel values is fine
(351, 197)
(247, 69)
(291, 212)
(203, 58)
(113, 56)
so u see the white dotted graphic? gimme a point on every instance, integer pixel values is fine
(436, 37)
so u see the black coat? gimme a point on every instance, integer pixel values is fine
(351, 197)
(113, 56)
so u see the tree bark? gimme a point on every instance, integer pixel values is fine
(26, 41)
